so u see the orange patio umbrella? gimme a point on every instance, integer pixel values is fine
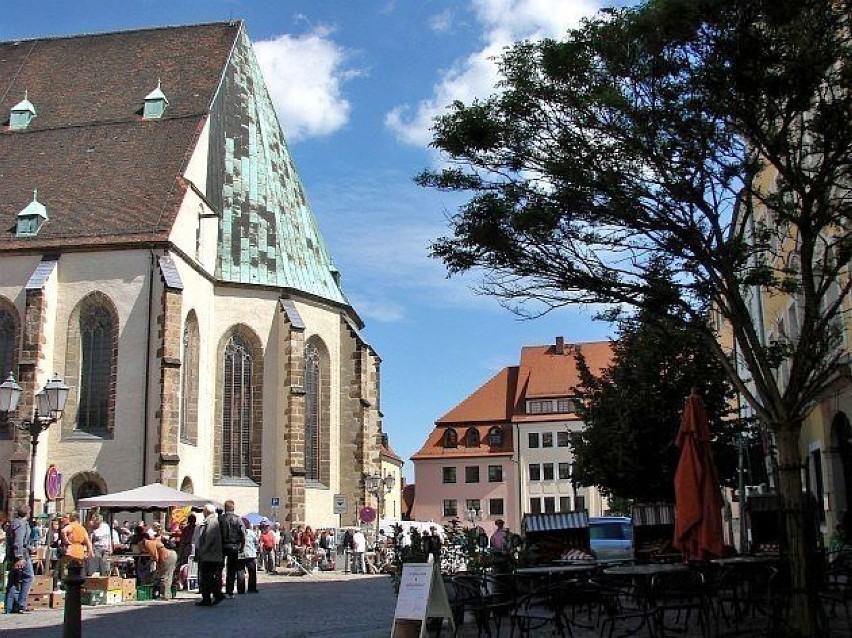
(698, 499)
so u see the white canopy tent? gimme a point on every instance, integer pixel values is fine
(148, 498)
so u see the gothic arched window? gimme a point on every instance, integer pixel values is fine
(96, 365)
(189, 382)
(237, 409)
(7, 343)
(312, 412)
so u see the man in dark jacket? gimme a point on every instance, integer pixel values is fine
(233, 541)
(20, 562)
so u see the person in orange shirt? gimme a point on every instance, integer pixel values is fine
(77, 545)
(165, 558)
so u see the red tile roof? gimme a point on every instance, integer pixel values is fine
(544, 372)
(105, 174)
(387, 451)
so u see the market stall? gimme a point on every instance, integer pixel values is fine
(558, 535)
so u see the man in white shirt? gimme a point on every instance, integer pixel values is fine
(103, 538)
(359, 546)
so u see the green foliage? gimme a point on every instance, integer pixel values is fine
(632, 411)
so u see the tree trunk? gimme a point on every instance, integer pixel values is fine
(798, 616)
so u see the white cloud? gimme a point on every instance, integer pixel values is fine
(442, 22)
(503, 22)
(305, 75)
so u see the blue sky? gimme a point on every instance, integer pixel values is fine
(356, 85)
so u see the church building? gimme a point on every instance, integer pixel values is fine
(158, 253)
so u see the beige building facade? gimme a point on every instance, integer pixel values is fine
(177, 282)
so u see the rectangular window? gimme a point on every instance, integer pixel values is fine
(579, 502)
(535, 505)
(535, 472)
(549, 504)
(471, 474)
(495, 506)
(563, 405)
(451, 507)
(548, 471)
(547, 439)
(564, 503)
(563, 439)
(547, 406)
(533, 439)
(473, 504)
(564, 471)
(535, 407)
(449, 474)
(495, 473)
(575, 437)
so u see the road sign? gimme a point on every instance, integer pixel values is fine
(341, 504)
(367, 514)
(275, 501)
(52, 483)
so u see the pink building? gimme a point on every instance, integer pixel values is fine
(506, 450)
(466, 463)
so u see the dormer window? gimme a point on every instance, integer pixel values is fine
(155, 104)
(495, 437)
(451, 438)
(472, 437)
(31, 218)
(22, 114)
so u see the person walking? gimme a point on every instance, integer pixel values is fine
(267, 547)
(233, 538)
(208, 554)
(248, 564)
(359, 547)
(19, 537)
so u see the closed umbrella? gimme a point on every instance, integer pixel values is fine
(698, 500)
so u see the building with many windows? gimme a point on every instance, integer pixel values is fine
(505, 450)
(158, 252)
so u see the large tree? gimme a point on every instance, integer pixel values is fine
(632, 409)
(712, 134)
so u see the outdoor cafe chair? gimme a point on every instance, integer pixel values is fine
(622, 606)
(678, 599)
(542, 607)
(751, 597)
(836, 591)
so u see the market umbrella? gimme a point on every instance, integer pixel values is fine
(698, 500)
(253, 518)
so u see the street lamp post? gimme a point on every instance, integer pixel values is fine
(379, 486)
(50, 402)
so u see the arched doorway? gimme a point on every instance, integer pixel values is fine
(186, 485)
(841, 438)
(83, 485)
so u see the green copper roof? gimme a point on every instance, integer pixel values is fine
(268, 233)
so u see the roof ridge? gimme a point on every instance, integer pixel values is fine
(17, 41)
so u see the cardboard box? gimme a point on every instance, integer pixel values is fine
(42, 585)
(57, 600)
(93, 596)
(38, 601)
(129, 595)
(103, 583)
(114, 596)
(128, 586)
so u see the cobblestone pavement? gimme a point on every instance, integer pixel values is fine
(288, 606)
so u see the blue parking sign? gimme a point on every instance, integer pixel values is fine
(275, 501)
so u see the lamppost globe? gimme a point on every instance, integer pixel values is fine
(49, 404)
(10, 394)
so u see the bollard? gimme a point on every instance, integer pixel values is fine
(346, 560)
(72, 624)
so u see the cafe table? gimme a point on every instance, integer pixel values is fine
(640, 577)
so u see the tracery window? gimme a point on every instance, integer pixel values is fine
(312, 412)
(237, 408)
(7, 343)
(96, 363)
(189, 383)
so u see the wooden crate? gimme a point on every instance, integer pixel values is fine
(57, 600)
(38, 601)
(42, 584)
(103, 583)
